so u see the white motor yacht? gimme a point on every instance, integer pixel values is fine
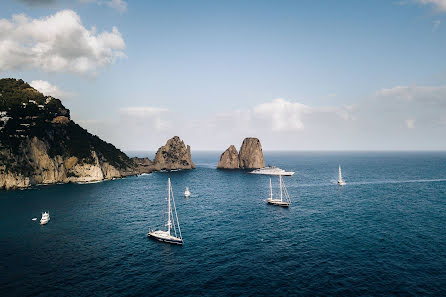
(45, 218)
(272, 170)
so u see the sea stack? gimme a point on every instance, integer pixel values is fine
(229, 159)
(251, 154)
(174, 155)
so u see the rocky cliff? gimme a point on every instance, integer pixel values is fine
(249, 157)
(172, 156)
(229, 159)
(40, 144)
(251, 154)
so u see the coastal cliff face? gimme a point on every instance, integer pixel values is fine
(40, 144)
(251, 154)
(249, 157)
(229, 159)
(172, 156)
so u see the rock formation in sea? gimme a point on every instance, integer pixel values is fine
(251, 154)
(40, 144)
(174, 155)
(249, 157)
(229, 159)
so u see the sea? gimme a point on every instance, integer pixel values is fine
(382, 234)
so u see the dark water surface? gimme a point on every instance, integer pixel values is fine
(384, 233)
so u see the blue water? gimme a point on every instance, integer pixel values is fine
(384, 233)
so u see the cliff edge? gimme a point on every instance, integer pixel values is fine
(40, 144)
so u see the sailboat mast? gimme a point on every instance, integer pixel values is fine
(280, 181)
(270, 189)
(176, 216)
(168, 206)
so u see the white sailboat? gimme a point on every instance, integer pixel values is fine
(173, 225)
(284, 196)
(45, 218)
(341, 182)
(187, 192)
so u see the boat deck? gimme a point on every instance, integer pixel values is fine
(278, 202)
(165, 237)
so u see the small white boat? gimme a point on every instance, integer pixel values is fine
(284, 200)
(45, 218)
(187, 192)
(341, 182)
(272, 170)
(34, 219)
(167, 236)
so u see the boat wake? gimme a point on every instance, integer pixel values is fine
(398, 181)
(143, 174)
(376, 182)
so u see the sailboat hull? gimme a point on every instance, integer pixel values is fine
(278, 202)
(165, 237)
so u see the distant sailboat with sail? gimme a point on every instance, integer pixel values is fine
(341, 182)
(284, 196)
(187, 192)
(173, 224)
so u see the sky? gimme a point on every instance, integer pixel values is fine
(299, 75)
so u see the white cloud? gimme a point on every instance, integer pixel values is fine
(435, 25)
(119, 5)
(373, 123)
(48, 89)
(57, 43)
(427, 93)
(439, 5)
(410, 124)
(145, 115)
(283, 115)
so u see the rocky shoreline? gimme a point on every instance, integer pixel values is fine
(177, 157)
(40, 144)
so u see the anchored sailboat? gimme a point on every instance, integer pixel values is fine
(341, 182)
(173, 224)
(284, 196)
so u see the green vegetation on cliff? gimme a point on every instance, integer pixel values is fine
(26, 113)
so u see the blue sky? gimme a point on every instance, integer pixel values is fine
(300, 75)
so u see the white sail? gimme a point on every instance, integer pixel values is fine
(270, 189)
(281, 191)
(169, 210)
(341, 182)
